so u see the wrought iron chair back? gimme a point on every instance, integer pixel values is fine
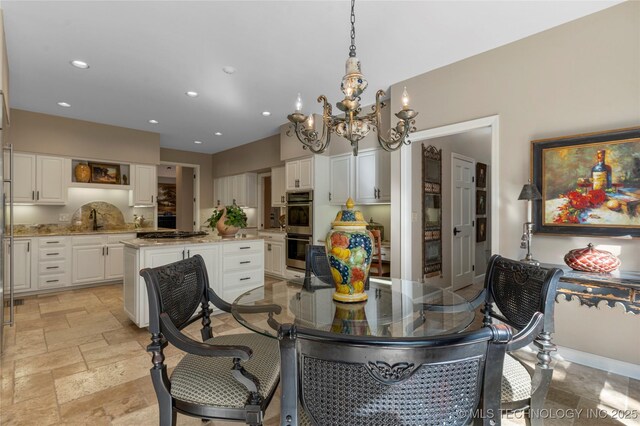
(317, 264)
(356, 380)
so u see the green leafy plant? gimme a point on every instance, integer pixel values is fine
(235, 217)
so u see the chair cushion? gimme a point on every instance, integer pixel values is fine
(208, 380)
(516, 381)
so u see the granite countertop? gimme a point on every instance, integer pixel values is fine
(273, 231)
(56, 232)
(208, 239)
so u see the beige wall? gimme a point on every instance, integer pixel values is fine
(580, 77)
(259, 155)
(50, 134)
(184, 198)
(206, 178)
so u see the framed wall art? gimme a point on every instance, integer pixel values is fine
(431, 211)
(590, 184)
(481, 175)
(481, 202)
(105, 173)
(481, 229)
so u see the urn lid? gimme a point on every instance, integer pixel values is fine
(349, 217)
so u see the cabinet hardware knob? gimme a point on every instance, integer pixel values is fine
(53, 242)
(245, 278)
(52, 254)
(244, 248)
(188, 253)
(52, 281)
(244, 262)
(52, 267)
(37, 195)
(33, 195)
(107, 250)
(103, 250)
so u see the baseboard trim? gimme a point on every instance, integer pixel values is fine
(622, 368)
(478, 279)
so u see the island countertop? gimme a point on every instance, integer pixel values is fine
(137, 243)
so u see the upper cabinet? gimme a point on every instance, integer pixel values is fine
(145, 185)
(373, 177)
(39, 179)
(278, 187)
(241, 190)
(341, 179)
(299, 174)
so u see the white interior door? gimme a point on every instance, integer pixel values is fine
(462, 220)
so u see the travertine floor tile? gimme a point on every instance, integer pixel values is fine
(48, 361)
(39, 411)
(112, 353)
(34, 386)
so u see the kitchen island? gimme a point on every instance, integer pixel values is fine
(233, 266)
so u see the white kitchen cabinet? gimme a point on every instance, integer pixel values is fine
(54, 262)
(39, 179)
(274, 260)
(278, 187)
(242, 268)
(299, 174)
(22, 278)
(97, 258)
(220, 192)
(373, 178)
(241, 190)
(341, 179)
(145, 185)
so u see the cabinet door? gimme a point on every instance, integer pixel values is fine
(306, 173)
(229, 191)
(277, 259)
(340, 179)
(211, 257)
(384, 176)
(278, 187)
(88, 264)
(21, 265)
(163, 256)
(144, 185)
(51, 183)
(24, 178)
(114, 262)
(292, 172)
(366, 177)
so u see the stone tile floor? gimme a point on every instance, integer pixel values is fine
(74, 358)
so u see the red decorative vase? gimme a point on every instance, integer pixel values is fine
(590, 259)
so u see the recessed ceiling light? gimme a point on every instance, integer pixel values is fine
(153, 121)
(266, 113)
(192, 94)
(197, 142)
(218, 134)
(80, 64)
(229, 69)
(64, 104)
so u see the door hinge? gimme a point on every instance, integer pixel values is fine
(473, 267)
(194, 175)
(329, 196)
(194, 200)
(473, 178)
(473, 223)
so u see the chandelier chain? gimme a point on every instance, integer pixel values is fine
(352, 48)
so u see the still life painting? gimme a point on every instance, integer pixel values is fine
(105, 173)
(167, 199)
(590, 184)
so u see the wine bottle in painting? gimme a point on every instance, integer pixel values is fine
(601, 172)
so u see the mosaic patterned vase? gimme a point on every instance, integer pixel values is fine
(350, 318)
(349, 248)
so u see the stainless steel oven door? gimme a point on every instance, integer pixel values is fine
(300, 218)
(296, 247)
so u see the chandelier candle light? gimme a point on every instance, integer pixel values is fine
(351, 125)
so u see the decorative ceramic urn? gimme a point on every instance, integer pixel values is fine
(350, 318)
(226, 231)
(349, 248)
(82, 172)
(590, 259)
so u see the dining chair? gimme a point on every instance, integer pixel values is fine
(317, 264)
(376, 257)
(515, 294)
(224, 377)
(330, 379)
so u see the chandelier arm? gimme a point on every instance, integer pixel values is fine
(397, 136)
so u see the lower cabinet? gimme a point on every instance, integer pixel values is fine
(97, 258)
(274, 260)
(233, 267)
(22, 274)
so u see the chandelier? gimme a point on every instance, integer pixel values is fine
(350, 125)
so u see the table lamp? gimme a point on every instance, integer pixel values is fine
(529, 193)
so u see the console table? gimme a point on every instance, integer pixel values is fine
(591, 288)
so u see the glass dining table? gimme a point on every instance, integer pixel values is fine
(395, 309)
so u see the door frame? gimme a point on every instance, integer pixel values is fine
(473, 212)
(196, 189)
(260, 209)
(401, 242)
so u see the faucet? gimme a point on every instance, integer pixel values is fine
(94, 215)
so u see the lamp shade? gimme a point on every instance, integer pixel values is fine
(530, 192)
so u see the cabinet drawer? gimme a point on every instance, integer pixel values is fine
(93, 240)
(243, 261)
(55, 267)
(52, 281)
(244, 247)
(242, 279)
(52, 242)
(52, 253)
(115, 239)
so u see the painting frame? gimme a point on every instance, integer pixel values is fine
(481, 202)
(481, 229)
(558, 212)
(481, 175)
(105, 173)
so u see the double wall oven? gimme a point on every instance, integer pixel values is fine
(299, 227)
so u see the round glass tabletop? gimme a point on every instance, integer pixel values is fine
(394, 309)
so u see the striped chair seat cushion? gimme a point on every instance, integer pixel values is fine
(516, 381)
(208, 380)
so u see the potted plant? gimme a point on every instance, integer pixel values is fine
(227, 220)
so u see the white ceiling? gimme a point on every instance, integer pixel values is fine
(145, 55)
